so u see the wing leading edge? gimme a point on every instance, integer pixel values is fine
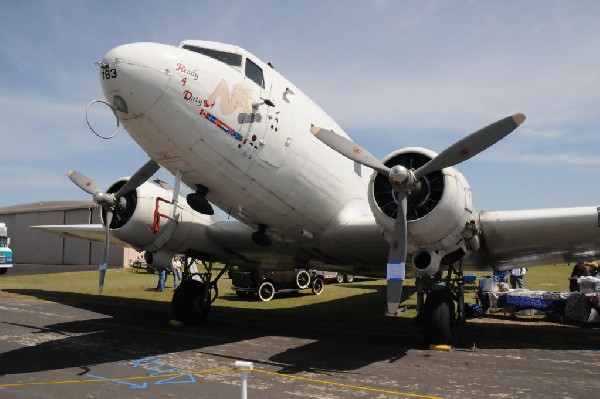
(92, 232)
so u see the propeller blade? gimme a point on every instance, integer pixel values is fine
(472, 145)
(101, 275)
(396, 266)
(349, 149)
(103, 265)
(138, 178)
(83, 182)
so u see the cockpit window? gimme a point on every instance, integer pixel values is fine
(255, 73)
(228, 58)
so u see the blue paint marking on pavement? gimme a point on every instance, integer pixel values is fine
(138, 362)
(130, 384)
(158, 370)
(157, 365)
(178, 379)
(154, 365)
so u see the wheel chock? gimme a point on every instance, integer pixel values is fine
(446, 348)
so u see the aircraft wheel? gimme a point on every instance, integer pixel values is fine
(266, 291)
(189, 304)
(437, 318)
(349, 278)
(302, 279)
(317, 286)
(339, 278)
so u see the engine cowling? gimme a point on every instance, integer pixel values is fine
(437, 211)
(142, 218)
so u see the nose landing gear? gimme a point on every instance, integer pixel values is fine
(443, 308)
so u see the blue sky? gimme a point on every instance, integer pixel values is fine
(392, 73)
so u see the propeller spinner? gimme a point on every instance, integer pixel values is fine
(406, 180)
(108, 202)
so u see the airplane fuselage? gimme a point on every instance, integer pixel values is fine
(240, 129)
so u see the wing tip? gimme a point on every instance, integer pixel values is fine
(519, 118)
(315, 130)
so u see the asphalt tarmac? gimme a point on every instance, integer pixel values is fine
(55, 345)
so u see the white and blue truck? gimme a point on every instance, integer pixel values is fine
(6, 255)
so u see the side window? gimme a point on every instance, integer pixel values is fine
(228, 58)
(255, 73)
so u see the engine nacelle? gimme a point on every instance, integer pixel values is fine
(159, 258)
(142, 218)
(437, 211)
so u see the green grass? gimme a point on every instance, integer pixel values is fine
(546, 278)
(363, 296)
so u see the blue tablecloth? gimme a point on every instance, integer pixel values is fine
(524, 302)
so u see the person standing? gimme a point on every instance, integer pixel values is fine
(162, 276)
(516, 277)
(176, 265)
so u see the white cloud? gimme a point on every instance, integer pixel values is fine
(543, 134)
(553, 159)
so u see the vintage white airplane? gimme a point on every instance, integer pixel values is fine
(246, 139)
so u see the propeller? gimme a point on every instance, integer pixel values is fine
(110, 202)
(138, 178)
(404, 181)
(102, 267)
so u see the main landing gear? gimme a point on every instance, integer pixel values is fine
(437, 313)
(193, 298)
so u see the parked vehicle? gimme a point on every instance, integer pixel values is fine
(265, 283)
(141, 264)
(334, 276)
(6, 255)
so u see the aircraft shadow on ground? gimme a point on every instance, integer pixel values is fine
(341, 337)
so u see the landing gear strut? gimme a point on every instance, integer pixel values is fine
(193, 298)
(437, 313)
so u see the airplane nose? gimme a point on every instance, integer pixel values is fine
(135, 76)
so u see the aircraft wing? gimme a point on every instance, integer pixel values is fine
(509, 238)
(356, 246)
(537, 237)
(92, 232)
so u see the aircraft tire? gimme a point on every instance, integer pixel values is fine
(438, 317)
(339, 278)
(317, 286)
(302, 279)
(188, 304)
(349, 278)
(266, 291)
